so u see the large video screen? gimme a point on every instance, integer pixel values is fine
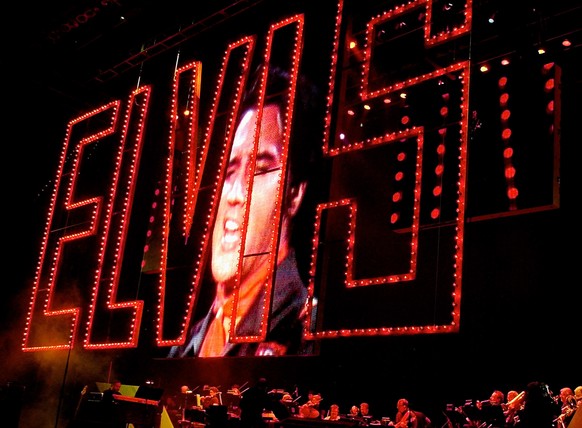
(295, 173)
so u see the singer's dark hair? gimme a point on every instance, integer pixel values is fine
(306, 130)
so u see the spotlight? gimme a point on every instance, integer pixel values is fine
(381, 35)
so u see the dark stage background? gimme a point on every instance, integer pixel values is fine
(519, 305)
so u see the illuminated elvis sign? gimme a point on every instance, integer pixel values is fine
(385, 238)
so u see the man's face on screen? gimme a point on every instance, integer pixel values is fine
(228, 229)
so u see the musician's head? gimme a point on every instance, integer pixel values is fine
(497, 397)
(511, 395)
(364, 409)
(316, 398)
(402, 405)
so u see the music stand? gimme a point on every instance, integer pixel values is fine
(455, 416)
(195, 415)
(471, 411)
(149, 393)
(217, 416)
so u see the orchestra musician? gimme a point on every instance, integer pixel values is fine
(334, 414)
(365, 410)
(539, 408)
(512, 407)
(288, 407)
(114, 389)
(234, 390)
(491, 411)
(408, 418)
(179, 403)
(568, 407)
(511, 395)
(212, 399)
(360, 414)
(234, 395)
(310, 409)
(109, 409)
(403, 414)
(365, 416)
(354, 412)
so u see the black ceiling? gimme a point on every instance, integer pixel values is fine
(83, 42)
(67, 47)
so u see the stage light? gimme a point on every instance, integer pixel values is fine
(484, 68)
(549, 85)
(512, 193)
(505, 61)
(566, 43)
(381, 36)
(491, 19)
(541, 51)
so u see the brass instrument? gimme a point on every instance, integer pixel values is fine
(567, 410)
(512, 408)
(517, 401)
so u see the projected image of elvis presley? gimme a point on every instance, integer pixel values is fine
(209, 336)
